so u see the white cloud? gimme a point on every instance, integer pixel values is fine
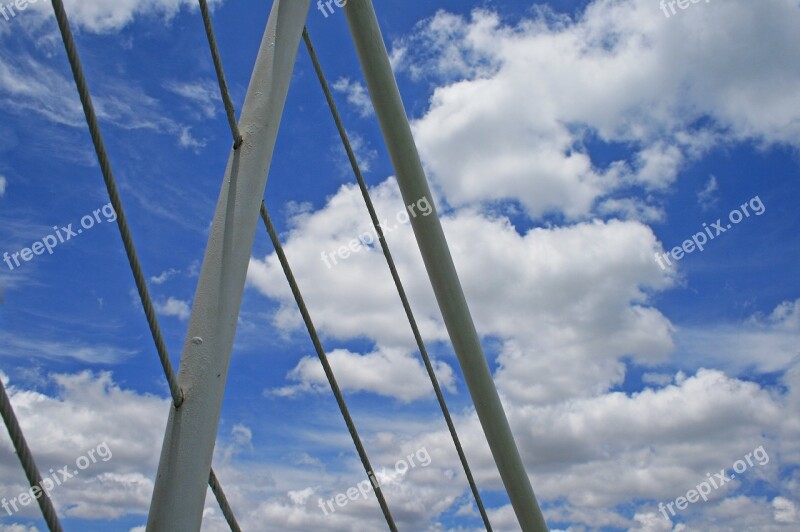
(600, 452)
(109, 16)
(14, 345)
(631, 209)
(708, 197)
(739, 513)
(29, 85)
(764, 343)
(517, 108)
(164, 276)
(3, 183)
(579, 292)
(407, 380)
(785, 510)
(375, 312)
(203, 93)
(653, 522)
(365, 154)
(300, 497)
(87, 410)
(565, 308)
(357, 95)
(242, 435)
(174, 307)
(592, 453)
(18, 528)
(657, 379)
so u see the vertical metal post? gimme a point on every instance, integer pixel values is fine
(428, 231)
(183, 470)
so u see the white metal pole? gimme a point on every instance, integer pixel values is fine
(182, 481)
(428, 231)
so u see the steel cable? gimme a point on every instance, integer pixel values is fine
(125, 232)
(323, 358)
(396, 277)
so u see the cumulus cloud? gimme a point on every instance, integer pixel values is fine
(553, 90)
(592, 453)
(87, 410)
(174, 307)
(357, 95)
(339, 303)
(579, 292)
(82, 411)
(785, 510)
(407, 379)
(580, 307)
(564, 309)
(108, 16)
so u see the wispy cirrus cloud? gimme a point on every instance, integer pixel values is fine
(15, 345)
(28, 85)
(109, 16)
(202, 93)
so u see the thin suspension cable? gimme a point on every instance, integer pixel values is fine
(227, 511)
(396, 277)
(26, 459)
(223, 85)
(116, 201)
(127, 238)
(326, 365)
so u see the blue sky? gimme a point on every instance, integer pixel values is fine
(568, 143)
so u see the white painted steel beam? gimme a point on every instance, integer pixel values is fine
(439, 263)
(182, 481)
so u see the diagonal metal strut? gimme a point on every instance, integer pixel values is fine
(127, 237)
(185, 462)
(439, 264)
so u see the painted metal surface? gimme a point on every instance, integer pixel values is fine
(181, 484)
(430, 237)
